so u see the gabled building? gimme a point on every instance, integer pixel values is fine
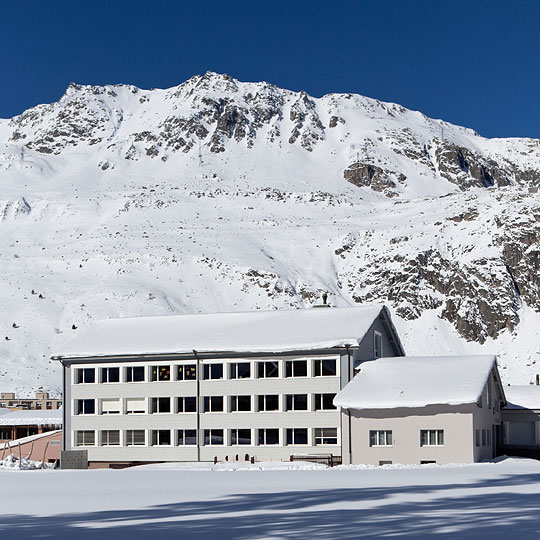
(221, 385)
(416, 410)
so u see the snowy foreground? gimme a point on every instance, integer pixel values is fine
(492, 500)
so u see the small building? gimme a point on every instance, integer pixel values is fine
(43, 447)
(19, 424)
(521, 421)
(417, 410)
(222, 385)
(42, 401)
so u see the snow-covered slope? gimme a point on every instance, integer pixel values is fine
(218, 195)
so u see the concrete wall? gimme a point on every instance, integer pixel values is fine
(405, 425)
(254, 420)
(459, 422)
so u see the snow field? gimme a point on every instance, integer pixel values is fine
(488, 500)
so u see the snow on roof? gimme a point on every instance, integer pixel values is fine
(522, 397)
(32, 418)
(416, 381)
(254, 331)
(30, 438)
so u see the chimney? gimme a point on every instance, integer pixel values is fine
(324, 301)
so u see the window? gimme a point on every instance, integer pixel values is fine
(323, 402)
(213, 403)
(161, 405)
(187, 404)
(268, 436)
(135, 406)
(48, 405)
(324, 368)
(240, 403)
(161, 437)
(240, 370)
(86, 375)
(477, 437)
(5, 433)
(484, 441)
(135, 437)
(213, 437)
(186, 372)
(267, 369)
(488, 434)
(296, 402)
(488, 394)
(160, 373)
(110, 438)
(380, 438)
(296, 368)
(110, 374)
(212, 371)
(297, 436)
(326, 436)
(187, 437)
(377, 344)
(269, 402)
(135, 374)
(240, 437)
(85, 438)
(86, 406)
(58, 404)
(110, 406)
(431, 437)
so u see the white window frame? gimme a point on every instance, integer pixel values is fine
(84, 443)
(84, 413)
(234, 431)
(110, 400)
(381, 438)
(437, 432)
(319, 434)
(182, 399)
(264, 369)
(105, 370)
(233, 403)
(208, 367)
(132, 381)
(264, 409)
(181, 437)
(263, 431)
(156, 432)
(319, 362)
(293, 408)
(159, 367)
(293, 363)
(210, 408)
(105, 439)
(84, 369)
(132, 431)
(184, 366)
(317, 397)
(141, 399)
(208, 432)
(293, 432)
(233, 370)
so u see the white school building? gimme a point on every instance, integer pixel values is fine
(222, 385)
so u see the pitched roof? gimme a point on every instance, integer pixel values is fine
(254, 331)
(417, 381)
(522, 397)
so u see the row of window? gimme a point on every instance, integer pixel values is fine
(188, 404)
(428, 437)
(210, 371)
(210, 437)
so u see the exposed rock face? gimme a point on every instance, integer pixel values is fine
(365, 175)
(218, 194)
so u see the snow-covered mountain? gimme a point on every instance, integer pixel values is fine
(218, 195)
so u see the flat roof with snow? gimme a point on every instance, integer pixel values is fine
(417, 381)
(254, 331)
(47, 417)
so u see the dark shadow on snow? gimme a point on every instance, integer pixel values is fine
(510, 512)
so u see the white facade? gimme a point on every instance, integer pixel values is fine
(299, 415)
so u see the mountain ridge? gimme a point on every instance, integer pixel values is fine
(218, 195)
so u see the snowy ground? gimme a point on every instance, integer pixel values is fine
(477, 501)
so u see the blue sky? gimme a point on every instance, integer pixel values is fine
(473, 63)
